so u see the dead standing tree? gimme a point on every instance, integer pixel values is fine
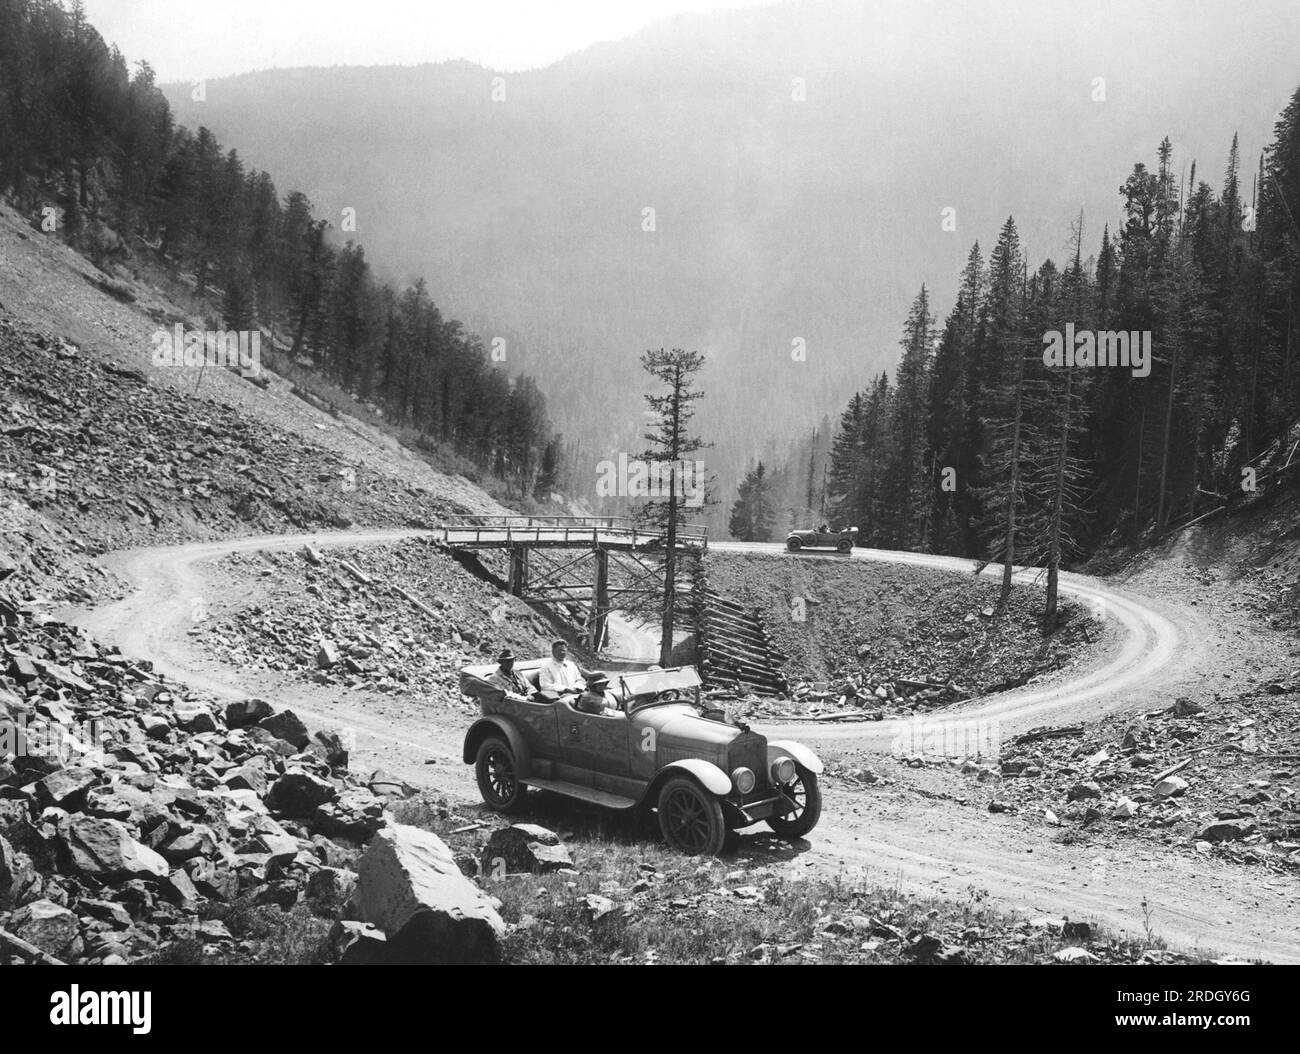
(671, 443)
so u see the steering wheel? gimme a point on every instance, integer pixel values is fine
(668, 695)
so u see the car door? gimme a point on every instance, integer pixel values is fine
(539, 723)
(593, 742)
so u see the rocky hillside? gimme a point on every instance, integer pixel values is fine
(869, 635)
(129, 807)
(96, 446)
(393, 618)
(56, 299)
(140, 820)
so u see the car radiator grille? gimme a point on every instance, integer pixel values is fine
(749, 749)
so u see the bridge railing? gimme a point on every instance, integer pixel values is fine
(483, 530)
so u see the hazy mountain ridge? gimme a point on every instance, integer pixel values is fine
(776, 219)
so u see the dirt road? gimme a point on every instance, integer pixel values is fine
(925, 842)
(1147, 642)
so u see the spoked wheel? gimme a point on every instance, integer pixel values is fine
(793, 544)
(691, 819)
(497, 780)
(844, 546)
(807, 797)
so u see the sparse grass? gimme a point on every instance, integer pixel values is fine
(744, 907)
(683, 918)
(263, 934)
(669, 908)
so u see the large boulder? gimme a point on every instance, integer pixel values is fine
(357, 815)
(66, 789)
(523, 847)
(105, 849)
(1227, 831)
(330, 747)
(385, 786)
(327, 655)
(298, 794)
(286, 725)
(409, 886)
(106, 911)
(49, 926)
(200, 840)
(194, 717)
(246, 777)
(244, 712)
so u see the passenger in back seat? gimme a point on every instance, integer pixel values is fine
(560, 675)
(517, 688)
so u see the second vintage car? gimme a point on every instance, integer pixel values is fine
(822, 538)
(660, 749)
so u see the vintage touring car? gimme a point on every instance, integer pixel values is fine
(822, 538)
(660, 749)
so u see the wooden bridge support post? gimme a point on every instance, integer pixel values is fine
(518, 569)
(600, 598)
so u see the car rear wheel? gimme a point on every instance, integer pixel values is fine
(807, 797)
(793, 544)
(691, 818)
(498, 782)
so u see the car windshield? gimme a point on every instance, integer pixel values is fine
(646, 687)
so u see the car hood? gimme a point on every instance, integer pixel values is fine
(681, 722)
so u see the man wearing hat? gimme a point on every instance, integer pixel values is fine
(517, 689)
(595, 700)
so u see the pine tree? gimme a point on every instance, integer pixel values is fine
(999, 404)
(1065, 403)
(847, 461)
(549, 470)
(905, 495)
(753, 513)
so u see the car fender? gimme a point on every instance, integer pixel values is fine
(485, 726)
(713, 779)
(800, 753)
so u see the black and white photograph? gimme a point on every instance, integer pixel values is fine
(650, 483)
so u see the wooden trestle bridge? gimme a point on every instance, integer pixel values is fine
(585, 567)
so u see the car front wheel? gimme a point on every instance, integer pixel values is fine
(807, 797)
(793, 544)
(498, 781)
(691, 818)
(844, 546)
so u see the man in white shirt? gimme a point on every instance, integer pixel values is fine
(560, 675)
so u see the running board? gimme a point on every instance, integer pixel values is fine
(576, 790)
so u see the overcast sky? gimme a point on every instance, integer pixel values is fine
(187, 40)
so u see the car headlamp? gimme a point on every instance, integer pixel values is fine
(783, 770)
(743, 779)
